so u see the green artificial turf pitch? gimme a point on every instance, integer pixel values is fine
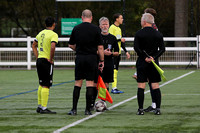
(18, 102)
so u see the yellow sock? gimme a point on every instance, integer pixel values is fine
(114, 84)
(45, 96)
(39, 95)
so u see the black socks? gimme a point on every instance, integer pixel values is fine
(152, 94)
(157, 97)
(89, 96)
(76, 94)
(140, 97)
(94, 96)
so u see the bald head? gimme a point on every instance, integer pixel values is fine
(86, 13)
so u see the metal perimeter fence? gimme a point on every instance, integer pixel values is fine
(64, 56)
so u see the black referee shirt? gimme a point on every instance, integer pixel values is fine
(110, 40)
(151, 41)
(87, 37)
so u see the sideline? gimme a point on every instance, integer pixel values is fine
(34, 90)
(118, 104)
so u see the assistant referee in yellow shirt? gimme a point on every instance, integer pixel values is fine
(46, 42)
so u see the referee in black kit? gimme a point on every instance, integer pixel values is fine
(86, 40)
(111, 50)
(149, 45)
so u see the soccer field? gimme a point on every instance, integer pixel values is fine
(18, 101)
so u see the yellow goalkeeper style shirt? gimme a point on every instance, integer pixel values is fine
(44, 39)
(116, 31)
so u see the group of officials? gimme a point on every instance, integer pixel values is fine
(98, 53)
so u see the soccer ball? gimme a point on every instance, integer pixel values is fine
(100, 106)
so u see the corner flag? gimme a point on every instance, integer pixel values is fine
(102, 91)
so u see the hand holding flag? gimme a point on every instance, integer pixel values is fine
(160, 71)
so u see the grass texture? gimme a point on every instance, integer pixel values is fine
(18, 101)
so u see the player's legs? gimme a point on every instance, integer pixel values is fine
(153, 105)
(83, 62)
(134, 75)
(39, 99)
(154, 79)
(114, 84)
(108, 73)
(94, 96)
(157, 97)
(95, 91)
(76, 95)
(79, 76)
(140, 97)
(152, 95)
(89, 96)
(45, 97)
(141, 79)
(45, 91)
(116, 65)
(45, 74)
(91, 74)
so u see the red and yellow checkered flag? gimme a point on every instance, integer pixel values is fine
(103, 93)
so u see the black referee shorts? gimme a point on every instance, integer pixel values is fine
(108, 71)
(45, 72)
(116, 61)
(147, 72)
(85, 67)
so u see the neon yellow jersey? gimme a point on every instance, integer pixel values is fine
(116, 31)
(44, 39)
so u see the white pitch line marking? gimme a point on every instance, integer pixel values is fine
(116, 105)
(181, 94)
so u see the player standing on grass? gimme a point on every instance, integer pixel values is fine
(46, 42)
(150, 41)
(86, 40)
(116, 31)
(153, 105)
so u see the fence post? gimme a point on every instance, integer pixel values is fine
(29, 53)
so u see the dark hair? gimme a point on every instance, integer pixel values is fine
(115, 16)
(49, 21)
(151, 11)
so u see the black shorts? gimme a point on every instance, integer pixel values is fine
(45, 72)
(108, 70)
(85, 67)
(116, 61)
(147, 72)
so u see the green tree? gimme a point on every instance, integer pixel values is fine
(172, 15)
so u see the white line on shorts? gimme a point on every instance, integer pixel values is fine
(116, 105)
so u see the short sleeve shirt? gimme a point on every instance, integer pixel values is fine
(44, 39)
(116, 31)
(86, 37)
